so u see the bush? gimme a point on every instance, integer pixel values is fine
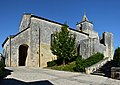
(67, 67)
(79, 57)
(79, 66)
(51, 63)
(94, 59)
(116, 57)
(1, 68)
(55, 62)
(82, 64)
(78, 63)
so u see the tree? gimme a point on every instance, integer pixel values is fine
(1, 68)
(117, 56)
(63, 44)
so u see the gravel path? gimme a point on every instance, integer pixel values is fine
(39, 76)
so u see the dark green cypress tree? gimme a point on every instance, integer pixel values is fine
(63, 44)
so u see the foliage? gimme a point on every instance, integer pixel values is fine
(63, 44)
(117, 56)
(82, 64)
(1, 68)
(67, 67)
(79, 64)
(79, 57)
(51, 63)
(94, 59)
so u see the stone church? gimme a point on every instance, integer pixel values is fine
(31, 45)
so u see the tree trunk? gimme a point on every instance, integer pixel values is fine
(63, 62)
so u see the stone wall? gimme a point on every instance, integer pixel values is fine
(108, 38)
(16, 41)
(46, 29)
(43, 45)
(115, 73)
(96, 66)
(34, 44)
(106, 47)
(25, 22)
(6, 52)
(79, 36)
(90, 46)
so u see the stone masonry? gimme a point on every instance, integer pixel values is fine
(31, 45)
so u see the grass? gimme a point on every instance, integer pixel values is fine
(67, 67)
(79, 64)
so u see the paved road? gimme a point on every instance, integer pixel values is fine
(39, 76)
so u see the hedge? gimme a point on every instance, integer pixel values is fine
(82, 64)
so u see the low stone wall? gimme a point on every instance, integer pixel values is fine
(96, 66)
(115, 73)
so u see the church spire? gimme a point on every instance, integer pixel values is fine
(85, 17)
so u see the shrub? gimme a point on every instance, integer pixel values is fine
(116, 57)
(1, 68)
(51, 63)
(79, 57)
(79, 66)
(67, 67)
(94, 59)
(82, 64)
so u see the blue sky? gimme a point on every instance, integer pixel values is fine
(105, 14)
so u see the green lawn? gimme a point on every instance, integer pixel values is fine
(67, 67)
(78, 65)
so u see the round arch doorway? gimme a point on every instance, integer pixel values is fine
(23, 54)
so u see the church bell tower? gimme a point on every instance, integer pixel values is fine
(86, 26)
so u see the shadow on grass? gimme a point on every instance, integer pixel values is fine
(18, 82)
